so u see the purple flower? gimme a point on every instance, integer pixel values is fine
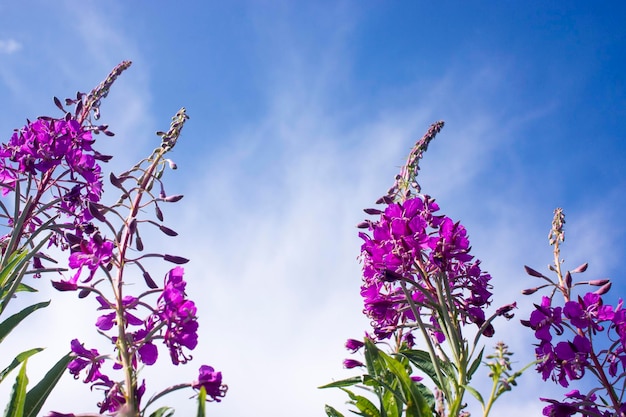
(557, 409)
(351, 363)
(106, 321)
(408, 243)
(588, 312)
(148, 352)
(211, 380)
(545, 318)
(84, 358)
(179, 314)
(353, 345)
(92, 254)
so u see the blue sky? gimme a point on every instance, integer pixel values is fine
(301, 114)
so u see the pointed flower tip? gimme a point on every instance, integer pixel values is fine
(533, 273)
(581, 268)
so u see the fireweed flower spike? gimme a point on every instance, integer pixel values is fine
(582, 337)
(101, 239)
(420, 280)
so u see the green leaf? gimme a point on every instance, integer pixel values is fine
(16, 362)
(163, 412)
(475, 364)
(417, 406)
(476, 395)
(25, 288)
(343, 383)
(365, 406)
(37, 395)
(331, 412)
(391, 405)
(9, 324)
(201, 402)
(14, 262)
(421, 360)
(427, 394)
(15, 408)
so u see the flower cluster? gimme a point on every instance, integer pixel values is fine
(179, 316)
(53, 171)
(412, 244)
(582, 336)
(50, 145)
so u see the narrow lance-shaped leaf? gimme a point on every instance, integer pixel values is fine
(9, 324)
(365, 406)
(332, 412)
(163, 412)
(37, 395)
(15, 407)
(16, 362)
(201, 402)
(344, 382)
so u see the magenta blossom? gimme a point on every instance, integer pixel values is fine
(211, 380)
(84, 358)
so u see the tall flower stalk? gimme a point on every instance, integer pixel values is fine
(420, 283)
(580, 338)
(53, 170)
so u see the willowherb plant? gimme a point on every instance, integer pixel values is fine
(580, 336)
(55, 159)
(420, 281)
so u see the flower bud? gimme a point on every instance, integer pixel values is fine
(599, 282)
(158, 212)
(581, 268)
(372, 211)
(568, 280)
(352, 363)
(172, 164)
(149, 281)
(173, 198)
(353, 345)
(603, 289)
(533, 273)
(529, 291)
(115, 181)
(93, 210)
(168, 231)
(179, 260)
(364, 224)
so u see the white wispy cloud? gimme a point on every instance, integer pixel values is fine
(9, 46)
(269, 226)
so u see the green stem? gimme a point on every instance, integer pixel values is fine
(431, 350)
